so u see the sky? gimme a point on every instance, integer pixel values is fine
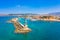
(29, 6)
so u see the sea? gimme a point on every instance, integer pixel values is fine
(41, 30)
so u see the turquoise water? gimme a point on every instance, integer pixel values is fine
(41, 30)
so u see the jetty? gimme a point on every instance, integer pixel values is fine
(20, 28)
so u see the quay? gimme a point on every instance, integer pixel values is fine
(19, 28)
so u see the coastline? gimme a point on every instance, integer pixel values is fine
(50, 20)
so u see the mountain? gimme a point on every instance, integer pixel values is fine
(54, 14)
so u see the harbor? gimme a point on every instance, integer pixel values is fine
(39, 29)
